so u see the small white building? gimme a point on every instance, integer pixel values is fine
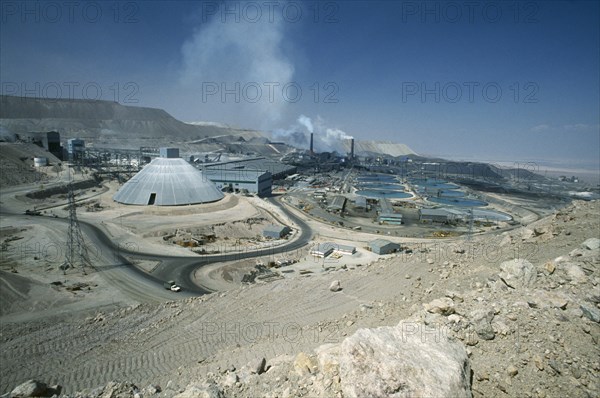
(276, 231)
(325, 249)
(345, 249)
(322, 249)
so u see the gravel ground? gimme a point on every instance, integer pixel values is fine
(540, 341)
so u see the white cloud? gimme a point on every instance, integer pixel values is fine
(580, 127)
(540, 127)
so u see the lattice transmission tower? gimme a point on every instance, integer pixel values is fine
(77, 254)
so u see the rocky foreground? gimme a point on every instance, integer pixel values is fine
(512, 315)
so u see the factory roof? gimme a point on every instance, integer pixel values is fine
(276, 228)
(345, 248)
(386, 207)
(381, 243)
(326, 247)
(256, 164)
(360, 201)
(241, 175)
(337, 203)
(168, 182)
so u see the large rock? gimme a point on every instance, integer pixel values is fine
(591, 244)
(409, 360)
(442, 306)
(482, 323)
(118, 389)
(335, 286)
(258, 365)
(548, 299)
(574, 273)
(34, 388)
(303, 364)
(203, 390)
(592, 313)
(518, 273)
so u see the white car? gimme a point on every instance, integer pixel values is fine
(175, 288)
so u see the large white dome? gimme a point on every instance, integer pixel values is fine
(168, 182)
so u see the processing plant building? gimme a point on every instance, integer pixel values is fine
(258, 182)
(168, 181)
(276, 169)
(255, 175)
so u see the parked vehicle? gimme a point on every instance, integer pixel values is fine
(172, 286)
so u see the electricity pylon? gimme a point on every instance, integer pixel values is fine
(77, 254)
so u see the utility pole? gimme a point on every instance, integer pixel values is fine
(470, 233)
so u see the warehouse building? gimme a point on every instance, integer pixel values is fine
(323, 249)
(255, 175)
(382, 246)
(360, 203)
(277, 170)
(387, 215)
(439, 215)
(338, 203)
(258, 182)
(345, 249)
(168, 181)
(276, 231)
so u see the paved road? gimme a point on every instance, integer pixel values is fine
(181, 269)
(146, 287)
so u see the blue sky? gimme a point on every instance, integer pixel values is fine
(512, 81)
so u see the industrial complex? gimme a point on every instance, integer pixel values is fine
(300, 199)
(106, 227)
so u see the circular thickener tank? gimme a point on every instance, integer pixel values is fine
(374, 194)
(386, 187)
(461, 202)
(383, 178)
(40, 162)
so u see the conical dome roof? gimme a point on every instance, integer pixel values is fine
(168, 182)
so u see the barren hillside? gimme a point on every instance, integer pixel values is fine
(519, 310)
(102, 121)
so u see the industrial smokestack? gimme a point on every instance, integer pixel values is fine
(311, 144)
(352, 148)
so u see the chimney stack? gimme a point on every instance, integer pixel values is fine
(352, 148)
(311, 144)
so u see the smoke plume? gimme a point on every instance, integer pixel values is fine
(326, 139)
(236, 57)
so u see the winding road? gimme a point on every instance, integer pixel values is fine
(111, 262)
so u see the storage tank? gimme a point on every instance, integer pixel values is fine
(40, 162)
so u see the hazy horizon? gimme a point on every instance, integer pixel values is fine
(510, 81)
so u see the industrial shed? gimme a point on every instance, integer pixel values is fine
(387, 215)
(345, 249)
(277, 170)
(338, 203)
(276, 231)
(258, 182)
(382, 246)
(360, 202)
(168, 181)
(323, 249)
(439, 215)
